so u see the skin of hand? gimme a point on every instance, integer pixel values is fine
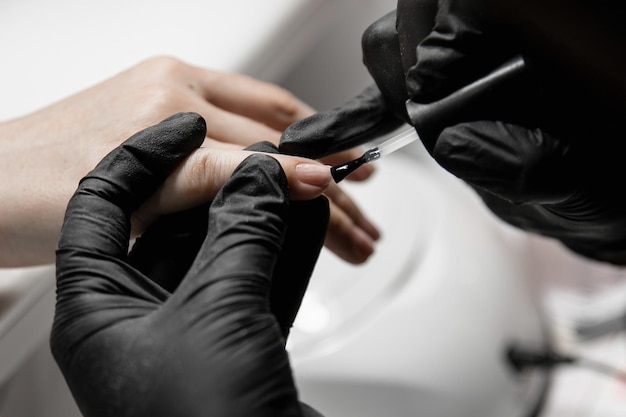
(45, 153)
(193, 320)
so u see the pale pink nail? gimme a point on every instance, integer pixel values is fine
(313, 174)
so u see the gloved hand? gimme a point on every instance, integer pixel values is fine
(545, 163)
(193, 321)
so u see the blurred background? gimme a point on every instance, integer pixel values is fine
(420, 329)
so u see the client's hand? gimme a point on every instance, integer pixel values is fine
(203, 173)
(193, 321)
(44, 154)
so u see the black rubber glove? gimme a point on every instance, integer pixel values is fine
(161, 331)
(547, 163)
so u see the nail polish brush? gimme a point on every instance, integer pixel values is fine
(339, 172)
(494, 94)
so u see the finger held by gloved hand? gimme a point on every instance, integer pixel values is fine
(196, 182)
(200, 177)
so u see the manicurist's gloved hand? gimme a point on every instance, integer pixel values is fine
(193, 320)
(543, 159)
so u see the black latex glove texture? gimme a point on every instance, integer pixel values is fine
(546, 163)
(193, 321)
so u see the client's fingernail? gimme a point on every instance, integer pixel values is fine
(363, 244)
(313, 174)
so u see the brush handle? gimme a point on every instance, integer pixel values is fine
(397, 142)
(484, 99)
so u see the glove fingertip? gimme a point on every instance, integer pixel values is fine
(260, 180)
(265, 146)
(263, 166)
(303, 138)
(363, 118)
(187, 127)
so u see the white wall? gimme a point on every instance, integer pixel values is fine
(332, 71)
